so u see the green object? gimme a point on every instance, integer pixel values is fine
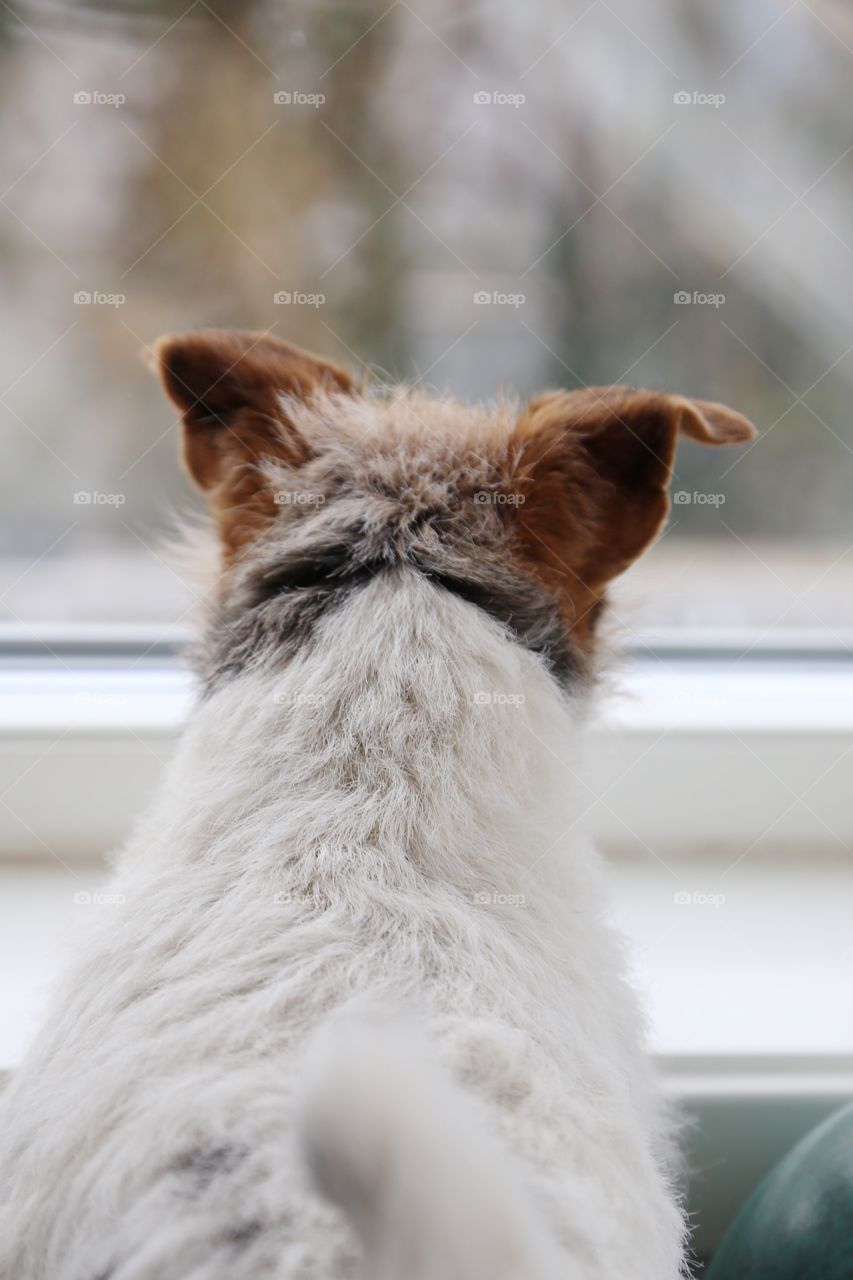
(798, 1224)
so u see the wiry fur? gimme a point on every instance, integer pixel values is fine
(372, 809)
(386, 1135)
(353, 825)
(407, 481)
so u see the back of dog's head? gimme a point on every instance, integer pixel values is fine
(315, 482)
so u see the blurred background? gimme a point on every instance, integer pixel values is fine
(479, 195)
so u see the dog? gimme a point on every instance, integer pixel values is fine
(356, 1011)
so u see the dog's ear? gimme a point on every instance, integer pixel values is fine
(593, 468)
(228, 386)
(232, 390)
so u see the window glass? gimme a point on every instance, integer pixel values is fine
(483, 196)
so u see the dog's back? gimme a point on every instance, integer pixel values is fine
(373, 807)
(281, 881)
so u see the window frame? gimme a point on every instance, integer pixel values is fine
(90, 716)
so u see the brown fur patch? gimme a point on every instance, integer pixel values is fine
(228, 386)
(593, 467)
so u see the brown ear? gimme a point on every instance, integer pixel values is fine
(228, 386)
(594, 468)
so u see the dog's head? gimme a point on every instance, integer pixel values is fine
(316, 485)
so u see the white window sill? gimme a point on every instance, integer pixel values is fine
(685, 758)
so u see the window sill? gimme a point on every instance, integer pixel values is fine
(685, 758)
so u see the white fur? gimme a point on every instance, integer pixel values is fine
(429, 1191)
(357, 828)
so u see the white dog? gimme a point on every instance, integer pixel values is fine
(358, 1014)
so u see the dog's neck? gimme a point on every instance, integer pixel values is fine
(271, 610)
(412, 736)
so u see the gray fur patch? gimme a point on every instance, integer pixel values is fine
(200, 1166)
(286, 604)
(243, 1233)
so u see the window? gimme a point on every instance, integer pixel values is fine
(650, 193)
